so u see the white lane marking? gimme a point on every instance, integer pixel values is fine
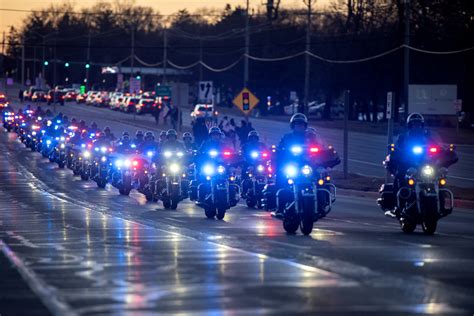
(460, 178)
(174, 219)
(288, 244)
(46, 293)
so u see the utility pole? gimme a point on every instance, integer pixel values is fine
(406, 57)
(55, 66)
(307, 57)
(22, 62)
(165, 53)
(247, 43)
(88, 57)
(132, 51)
(200, 55)
(43, 75)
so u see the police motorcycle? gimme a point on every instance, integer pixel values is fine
(34, 134)
(420, 196)
(124, 170)
(9, 120)
(173, 185)
(100, 163)
(58, 154)
(84, 159)
(257, 170)
(218, 190)
(309, 193)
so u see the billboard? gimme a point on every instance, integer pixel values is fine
(432, 99)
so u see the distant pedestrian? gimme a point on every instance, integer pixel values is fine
(20, 95)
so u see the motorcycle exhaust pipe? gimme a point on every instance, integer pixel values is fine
(404, 193)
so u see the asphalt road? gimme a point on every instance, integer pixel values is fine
(366, 151)
(93, 252)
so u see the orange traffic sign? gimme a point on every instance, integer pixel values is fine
(245, 101)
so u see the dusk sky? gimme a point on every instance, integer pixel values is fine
(163, 6)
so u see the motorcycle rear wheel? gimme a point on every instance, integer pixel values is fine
(210, 212)
(101, 183)
(407, 226)
(290, 225)
(429, 226)
(220, 213)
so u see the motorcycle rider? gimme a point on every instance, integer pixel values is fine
(172, 143)
(188, 142)
(138, 140)
(108, 134)
(94, 129)
(125, 145)
(252, 145)
(162, 137)
(149, 144)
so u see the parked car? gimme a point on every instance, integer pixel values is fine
(204, 110)
(55, 96)
(70, 95)
(38, 96)
(129, 104)
(91, 96)
(28, 94)
(145, 106)
(114, 103)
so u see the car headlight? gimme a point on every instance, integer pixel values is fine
(254, 154)
(174, 168)
(167, 154)
(306, 170)
(87, 154)
(291, 171)
(208, 170)
(220, 169)
(428, 171)
(296, 150)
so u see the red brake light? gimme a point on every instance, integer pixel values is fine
(89, 145)
(433, 150)
(135, 163)
(314, 149)
(264, 155)
(227, 153)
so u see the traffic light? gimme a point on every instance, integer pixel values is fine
(46, 63)
(246, 101)
(66, 64)
(88, 66)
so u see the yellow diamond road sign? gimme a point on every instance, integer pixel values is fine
(245, 101)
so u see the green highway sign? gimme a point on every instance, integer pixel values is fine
(163, 91)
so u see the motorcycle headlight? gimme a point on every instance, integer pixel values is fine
(417, 150)
(428, 171)
(260, 168)
(296, 150)
(96, 149)
(291, 171)
(33, 133)
(167, 154)
(87, 154)
(179, 154)
(62, 146)
(208, 170)
(220, 169)
(103, 149)
(62, 138)
(149, 154)
(254, 154)
(127, 163)
(174, 168)
(213, 153)
(306, 170)
(119, 163)
(103, 159)
(48, 142)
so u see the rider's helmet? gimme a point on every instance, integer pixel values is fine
(253, 136)
(298, 118)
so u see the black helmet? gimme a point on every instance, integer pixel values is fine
(215, 131)
(101, 135)
(125, 134)
(107, 129)
(125, 138)
(149, 135)
(82, 123)
(415, 118)
(188, 136)
(73, 120)
(171, 132)
(253, 136)
(162, 134)
(139, 134)
(94, 125)
(65, 118)
(298, 118)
